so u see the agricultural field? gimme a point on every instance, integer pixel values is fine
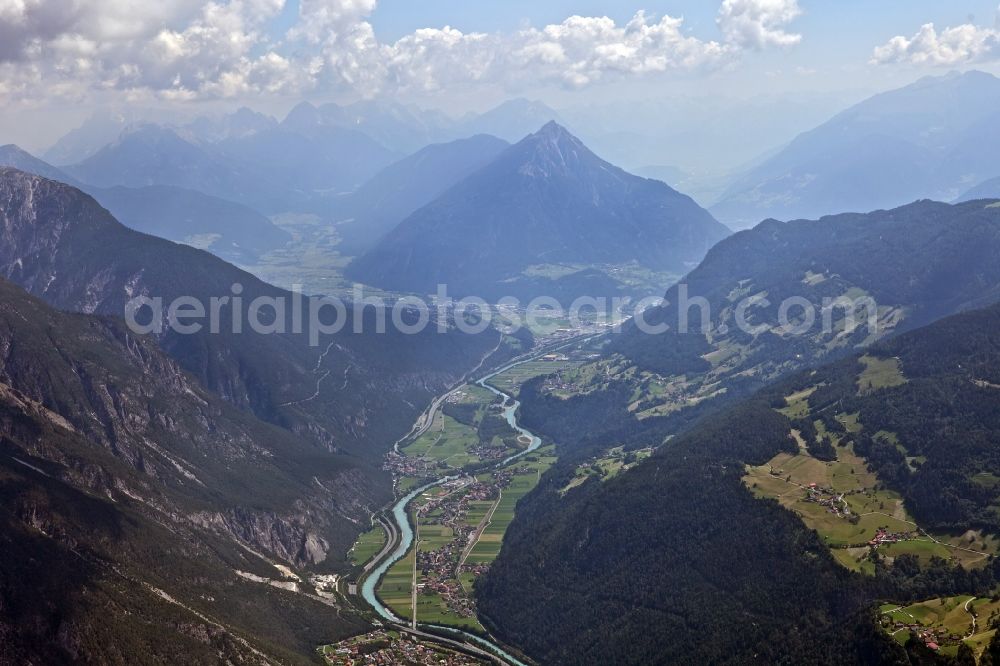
(311, 260)
(457, 439)
(631, 274)
(880, 374)
(367, 546)
(447, 442)
(946, 622)
(582, 378)
(529, 471)
(798, 404)
(511, 381)
(856, 516)
(460, 529)
(396, 588)
(849, 509)
(652, 394)
(608, 466)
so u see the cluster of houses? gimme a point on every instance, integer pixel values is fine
(826, 497)
(402, 466)
(884, 536)
(451, 593)
(439, 568)
(930, 637)
(457, 397)
(379, 648)
(489, 452)
(454, 506)
(557, 383)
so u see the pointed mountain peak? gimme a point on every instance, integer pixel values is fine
(552, 128)
(13, 149)
(553, 150)
(15, 157)
(304, 113)
(554, 134)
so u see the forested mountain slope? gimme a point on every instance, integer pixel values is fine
(677, 560)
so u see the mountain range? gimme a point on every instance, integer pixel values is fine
(330, 148)
(934, 139)
(545, 202)
(712, 496)
(229, 230)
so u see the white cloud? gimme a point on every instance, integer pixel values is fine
(577, 52)
(321, 19)
(188, 49)
(759, 24)
(580, 50)
(952, 46)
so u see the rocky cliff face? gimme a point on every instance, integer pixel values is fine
(116, 464)
(176, 447)
(149, 485)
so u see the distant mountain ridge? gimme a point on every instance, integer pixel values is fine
(933, 139)
(408, 185)
(988, 190)
(512, 120)
(270, 169)
(14, 157)
(401, 129)
(154, 155)
(546, 200)
(229, 230)
(316, 151)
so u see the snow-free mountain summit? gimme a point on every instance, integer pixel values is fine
(545, 202)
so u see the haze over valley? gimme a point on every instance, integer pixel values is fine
(356, 332)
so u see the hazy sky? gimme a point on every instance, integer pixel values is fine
(59, 59)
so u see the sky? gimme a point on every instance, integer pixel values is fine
(62, 59)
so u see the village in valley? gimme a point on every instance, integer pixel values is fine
(459, 525)
(863, 523)
(857, 516)
(943, 624)
(391, 648)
